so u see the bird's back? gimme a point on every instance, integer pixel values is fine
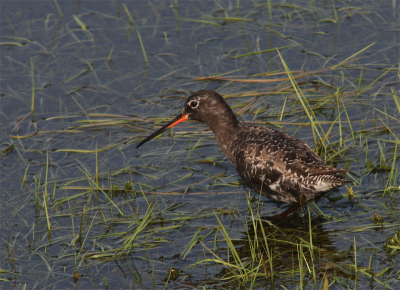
(280, 166)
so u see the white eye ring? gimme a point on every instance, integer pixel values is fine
(194, 104)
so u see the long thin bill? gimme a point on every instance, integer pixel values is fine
(178, 119)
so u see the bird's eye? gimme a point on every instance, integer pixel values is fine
(193, 104)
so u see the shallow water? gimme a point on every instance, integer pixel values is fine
(93, 89)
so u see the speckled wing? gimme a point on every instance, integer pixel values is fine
(265, 156)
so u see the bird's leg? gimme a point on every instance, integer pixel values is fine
(302, 200)
(281, 216)
(291, 209)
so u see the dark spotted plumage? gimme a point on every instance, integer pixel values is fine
(272, 163)
(280, 166)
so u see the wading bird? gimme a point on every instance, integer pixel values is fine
(270, 162)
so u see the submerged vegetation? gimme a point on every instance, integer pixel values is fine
(82, 85)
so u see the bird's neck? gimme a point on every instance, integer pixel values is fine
(225, 127)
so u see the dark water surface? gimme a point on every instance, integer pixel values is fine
(94, 89)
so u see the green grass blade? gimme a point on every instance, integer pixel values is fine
(142, 46)
(80, 23)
